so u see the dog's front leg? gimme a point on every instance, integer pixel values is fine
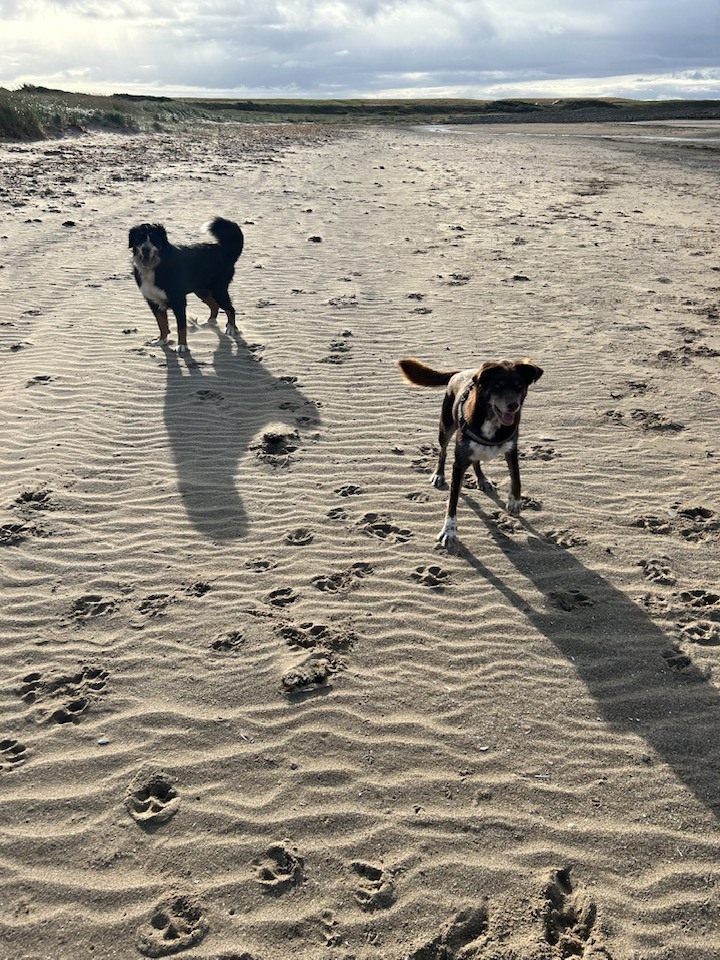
(514, 499)
(180, 311)
(448, 535)
(162, 321)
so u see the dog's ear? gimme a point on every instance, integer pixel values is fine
(484, 374)
(162, 235)
(133, 237)
(529, 371)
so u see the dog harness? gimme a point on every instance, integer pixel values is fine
(465, 429)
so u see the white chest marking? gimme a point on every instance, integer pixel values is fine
(479, 451)
(149, 289)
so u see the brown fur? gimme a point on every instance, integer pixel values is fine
(485, 427)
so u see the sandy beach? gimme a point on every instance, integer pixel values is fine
(249, 709)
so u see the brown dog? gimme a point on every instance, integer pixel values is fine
(482, 409)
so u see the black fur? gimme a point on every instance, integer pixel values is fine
(166, 273)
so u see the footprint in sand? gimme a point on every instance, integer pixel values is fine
(657, 570)
(349, 490)
(90, 606)
(569, 599)
(310, 636)
(655, 421)
(63, 698)
(539, 451)
(276, 449)
(376, 890)
(151, 797)
(260, 564)
(175, 924)
(197, 589)
(229, 642)
(344, 579)
(35, 500)
(565, 538)
(676, 659)
(457, 939)
(699, 598)
(418, 497)
(652, 523)
(337, 513)
(311, 673)
(156, 604)
(210, 396)
(703, 632)
(281, 868)
(13, 534)
(697, 522)
(381, 526)
(425, 463)
(282, 597)
(432, 576)
(568, 917)
(299, 538)
(507, 524)
(12, 754)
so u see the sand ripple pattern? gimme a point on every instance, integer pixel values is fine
(248, 709)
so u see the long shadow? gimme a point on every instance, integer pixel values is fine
(617, 651)
(212, 414)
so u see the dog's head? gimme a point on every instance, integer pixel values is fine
(147, 242)
(504, 385)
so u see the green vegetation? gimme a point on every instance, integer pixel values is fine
(36, 112)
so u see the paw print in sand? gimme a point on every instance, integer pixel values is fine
(310, 673)
(151, 797)
(658, 571)
(12, 753)
(175, 924)
(432, 576)
(376, 890)
(281, 869)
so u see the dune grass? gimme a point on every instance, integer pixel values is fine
(32, 113)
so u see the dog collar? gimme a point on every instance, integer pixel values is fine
(464, 427)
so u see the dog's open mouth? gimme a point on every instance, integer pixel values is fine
(507, 417)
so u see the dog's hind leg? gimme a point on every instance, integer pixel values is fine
(210, 300)
(223, 298)
(484, 485)
(447, 429)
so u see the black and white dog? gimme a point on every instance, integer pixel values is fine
(166, 274)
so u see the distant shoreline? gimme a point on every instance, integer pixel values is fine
(34, 113)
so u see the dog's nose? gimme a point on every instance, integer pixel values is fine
(513, 406)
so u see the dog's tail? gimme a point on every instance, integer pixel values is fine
(422, 375)
(227, 234)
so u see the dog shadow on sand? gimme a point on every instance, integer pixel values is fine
(213, 414)
(628, 663)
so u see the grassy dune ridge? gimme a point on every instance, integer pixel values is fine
(32, 113)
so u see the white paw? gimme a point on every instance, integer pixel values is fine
(448, 535)
(514, 505)
(437, 480)
(230, 329)
(158, 342)
(183, 348)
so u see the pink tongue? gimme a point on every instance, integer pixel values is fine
(507, 418)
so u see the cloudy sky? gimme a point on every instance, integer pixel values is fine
(366, 48)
